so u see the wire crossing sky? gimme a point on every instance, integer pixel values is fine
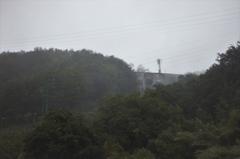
(186, 34)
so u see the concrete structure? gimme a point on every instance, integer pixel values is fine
(147, 80)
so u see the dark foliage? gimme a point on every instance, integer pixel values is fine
(34, 81)
(60, 136)
(195, 118)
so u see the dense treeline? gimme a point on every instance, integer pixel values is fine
(195, 118)
(34, 81)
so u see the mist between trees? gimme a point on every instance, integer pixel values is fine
(65, 104)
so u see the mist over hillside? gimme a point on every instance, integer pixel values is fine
(195, 118)
(36, 81)
(120, 79)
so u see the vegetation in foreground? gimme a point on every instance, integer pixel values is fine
(196, 118)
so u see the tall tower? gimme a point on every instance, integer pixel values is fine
(159, 65)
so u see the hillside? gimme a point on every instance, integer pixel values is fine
(195, 118)
(43, 79)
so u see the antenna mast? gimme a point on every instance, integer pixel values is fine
(159, 65)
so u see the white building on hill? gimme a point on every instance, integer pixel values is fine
(147, 80)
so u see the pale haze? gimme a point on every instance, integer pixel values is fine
(185, 34)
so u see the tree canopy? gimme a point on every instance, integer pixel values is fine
(34, 81)
(196, 118)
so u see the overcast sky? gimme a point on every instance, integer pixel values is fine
(185, 34)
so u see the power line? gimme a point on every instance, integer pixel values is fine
(194, 48)
(216, 20)
(126, 29)
(181, 44)
(133, 25)
(200, 56)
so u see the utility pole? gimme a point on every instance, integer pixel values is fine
(44, 94)
(159, 65)
(46, 91)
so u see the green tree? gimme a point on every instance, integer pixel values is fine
(61, 136)
(11, 143)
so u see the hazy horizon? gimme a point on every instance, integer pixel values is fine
(186, 36)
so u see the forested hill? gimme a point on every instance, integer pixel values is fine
(212, 95)
(34, 81)
(195, 118)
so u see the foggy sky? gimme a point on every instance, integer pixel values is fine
(185, 34)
